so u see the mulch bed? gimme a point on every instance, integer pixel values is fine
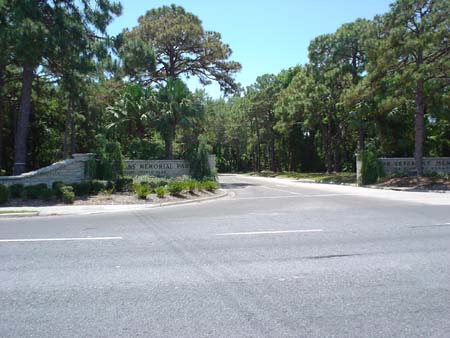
(423, 183)
(110, 199)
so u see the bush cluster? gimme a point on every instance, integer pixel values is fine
(371, 169)
(142, 190)
(68, 195)
(4, 194)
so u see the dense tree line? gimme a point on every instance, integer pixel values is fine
(380, 84)
(68, 87)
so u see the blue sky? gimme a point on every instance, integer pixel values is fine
(265, 36)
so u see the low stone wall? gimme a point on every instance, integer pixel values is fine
(67, 171)
(74, 170)
(161, 168)
(440, 165)
(407, 165)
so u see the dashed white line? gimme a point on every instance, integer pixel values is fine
(282, 190)
(274, 232)
(24, 240)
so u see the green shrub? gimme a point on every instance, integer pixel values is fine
(16, 190)
(98, 185)
(34, 191)
(176, 187)
(82, 188)
(68, 196)
(199, 162)
(371, 168)
(192, 185)
(209, 185)
(109, 163)
(160, 192)
(46, 194)
(110, 187)
(142, 190)
(4, 194)
(124, 184)
(56, 187)
(152, 181)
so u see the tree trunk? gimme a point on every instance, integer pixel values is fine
(72, 137)
(419, 119)
(258, 149)
(361, 139)
(66, 134)
(2, 111)
(419, 126)
(168, 143)
(20, 144)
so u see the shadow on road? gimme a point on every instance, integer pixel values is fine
(237, 185)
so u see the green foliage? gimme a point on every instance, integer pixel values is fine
(32, 192)
(4, 194)
(109, 162)
(68, 196)
(179, 42)
(152, 181)
(46, 194)
(209, 185)
(199, 164)
(160, 192)
(142, 190)
(56, 187)
(371, 169)
(124, 184)
(191, 185)
(176, 187)
(16, 190)
(82, 188)
(98, 186)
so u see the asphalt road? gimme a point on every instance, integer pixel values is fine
(270, 260)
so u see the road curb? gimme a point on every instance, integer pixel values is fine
(72, 212)
(19, 215)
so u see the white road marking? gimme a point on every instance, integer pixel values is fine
(58, 239)
(287, 196)
(275, 232)
(282, 190)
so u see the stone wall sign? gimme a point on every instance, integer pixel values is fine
(440, 165)
(160, 168)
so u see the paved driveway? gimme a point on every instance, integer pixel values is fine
(275, 258)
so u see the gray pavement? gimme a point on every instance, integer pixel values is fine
(276, 258)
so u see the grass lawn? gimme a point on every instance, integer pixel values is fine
(337, 178)
(2, 212)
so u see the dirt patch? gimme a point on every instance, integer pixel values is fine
(111, 199)
(422, 183)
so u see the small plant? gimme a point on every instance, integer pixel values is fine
(16, 190)
(160, 192)
(124, 184)
(56, 187)
(152, 181)
(209, 185)
(68, 196)
(192, 185)
(97, 186)
(142, 191)
(4, 194)
(176, 187)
